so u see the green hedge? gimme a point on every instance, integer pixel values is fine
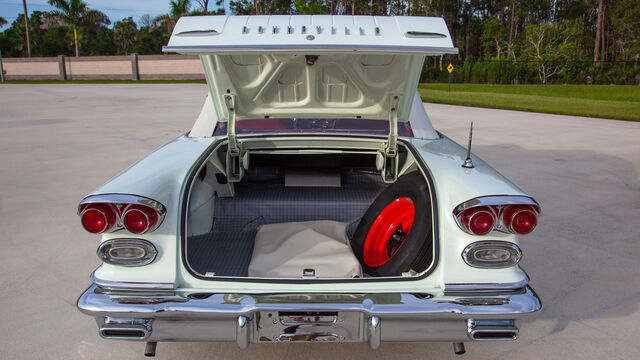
(519, 72)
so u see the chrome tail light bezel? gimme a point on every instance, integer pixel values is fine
(497, 204)
(121, 203)
(106, 248)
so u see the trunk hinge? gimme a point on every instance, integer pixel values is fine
(234, 150)
(389, 161)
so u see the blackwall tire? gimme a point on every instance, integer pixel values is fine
(415, 251)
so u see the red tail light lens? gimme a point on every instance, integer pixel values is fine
(139, 219)
(111, 212)
(519, 219)
(98, 218)
(504, 213)
(478, 220)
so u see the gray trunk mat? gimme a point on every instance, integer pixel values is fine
(227, 250)
(222, 252)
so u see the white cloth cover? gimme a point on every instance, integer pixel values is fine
(285, 250)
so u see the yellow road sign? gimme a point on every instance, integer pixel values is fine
(450, 68)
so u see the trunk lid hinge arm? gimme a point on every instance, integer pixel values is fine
(234, 148)
(389, 161)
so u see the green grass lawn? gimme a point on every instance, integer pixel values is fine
(603, 101)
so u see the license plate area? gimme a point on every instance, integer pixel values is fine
(309, 326)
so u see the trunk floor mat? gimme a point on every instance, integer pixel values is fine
(222, 252)
(227, 250)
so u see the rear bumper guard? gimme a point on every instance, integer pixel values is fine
(245, 319)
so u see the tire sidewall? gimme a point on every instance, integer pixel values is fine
(413, 186)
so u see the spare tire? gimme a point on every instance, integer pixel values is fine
(394, 235)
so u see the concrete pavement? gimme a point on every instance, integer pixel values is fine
(58, 142)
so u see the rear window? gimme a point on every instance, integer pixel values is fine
(345, 126)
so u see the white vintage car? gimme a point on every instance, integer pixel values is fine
(311, 201)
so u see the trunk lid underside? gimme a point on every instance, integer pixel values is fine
(316, 66)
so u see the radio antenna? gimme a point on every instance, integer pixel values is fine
(468, 163)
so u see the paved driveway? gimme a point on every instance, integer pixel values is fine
(58, 142)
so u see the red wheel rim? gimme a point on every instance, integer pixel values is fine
(388, 232)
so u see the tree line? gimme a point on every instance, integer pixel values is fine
(500, 41)
(74, 29)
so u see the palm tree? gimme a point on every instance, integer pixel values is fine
(71, 12)
(125, 33)
(179, 8)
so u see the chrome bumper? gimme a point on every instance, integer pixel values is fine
(373, 318)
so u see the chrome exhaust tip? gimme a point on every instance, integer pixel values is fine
(492, 330)
(494, 334)
(123, 333)
(125, 328)
(150, 349)
(458, 348)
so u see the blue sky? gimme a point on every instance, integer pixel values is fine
(115, 9)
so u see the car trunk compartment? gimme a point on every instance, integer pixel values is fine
(262, 198)
(220, 244)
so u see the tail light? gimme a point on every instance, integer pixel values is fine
(139, 219)
(514, 214)
(104, 213)
(98, 218)
(519, 219)
(478, 220)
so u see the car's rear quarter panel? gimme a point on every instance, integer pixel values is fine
(159, 176)
(453, 186)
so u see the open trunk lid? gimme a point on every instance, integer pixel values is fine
(311, 67)
(295, 66)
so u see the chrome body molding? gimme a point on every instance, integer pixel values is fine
(470, 287)
(130, 285)
(245, 319)
(496, 200)
(303, 48)
(122, 199)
